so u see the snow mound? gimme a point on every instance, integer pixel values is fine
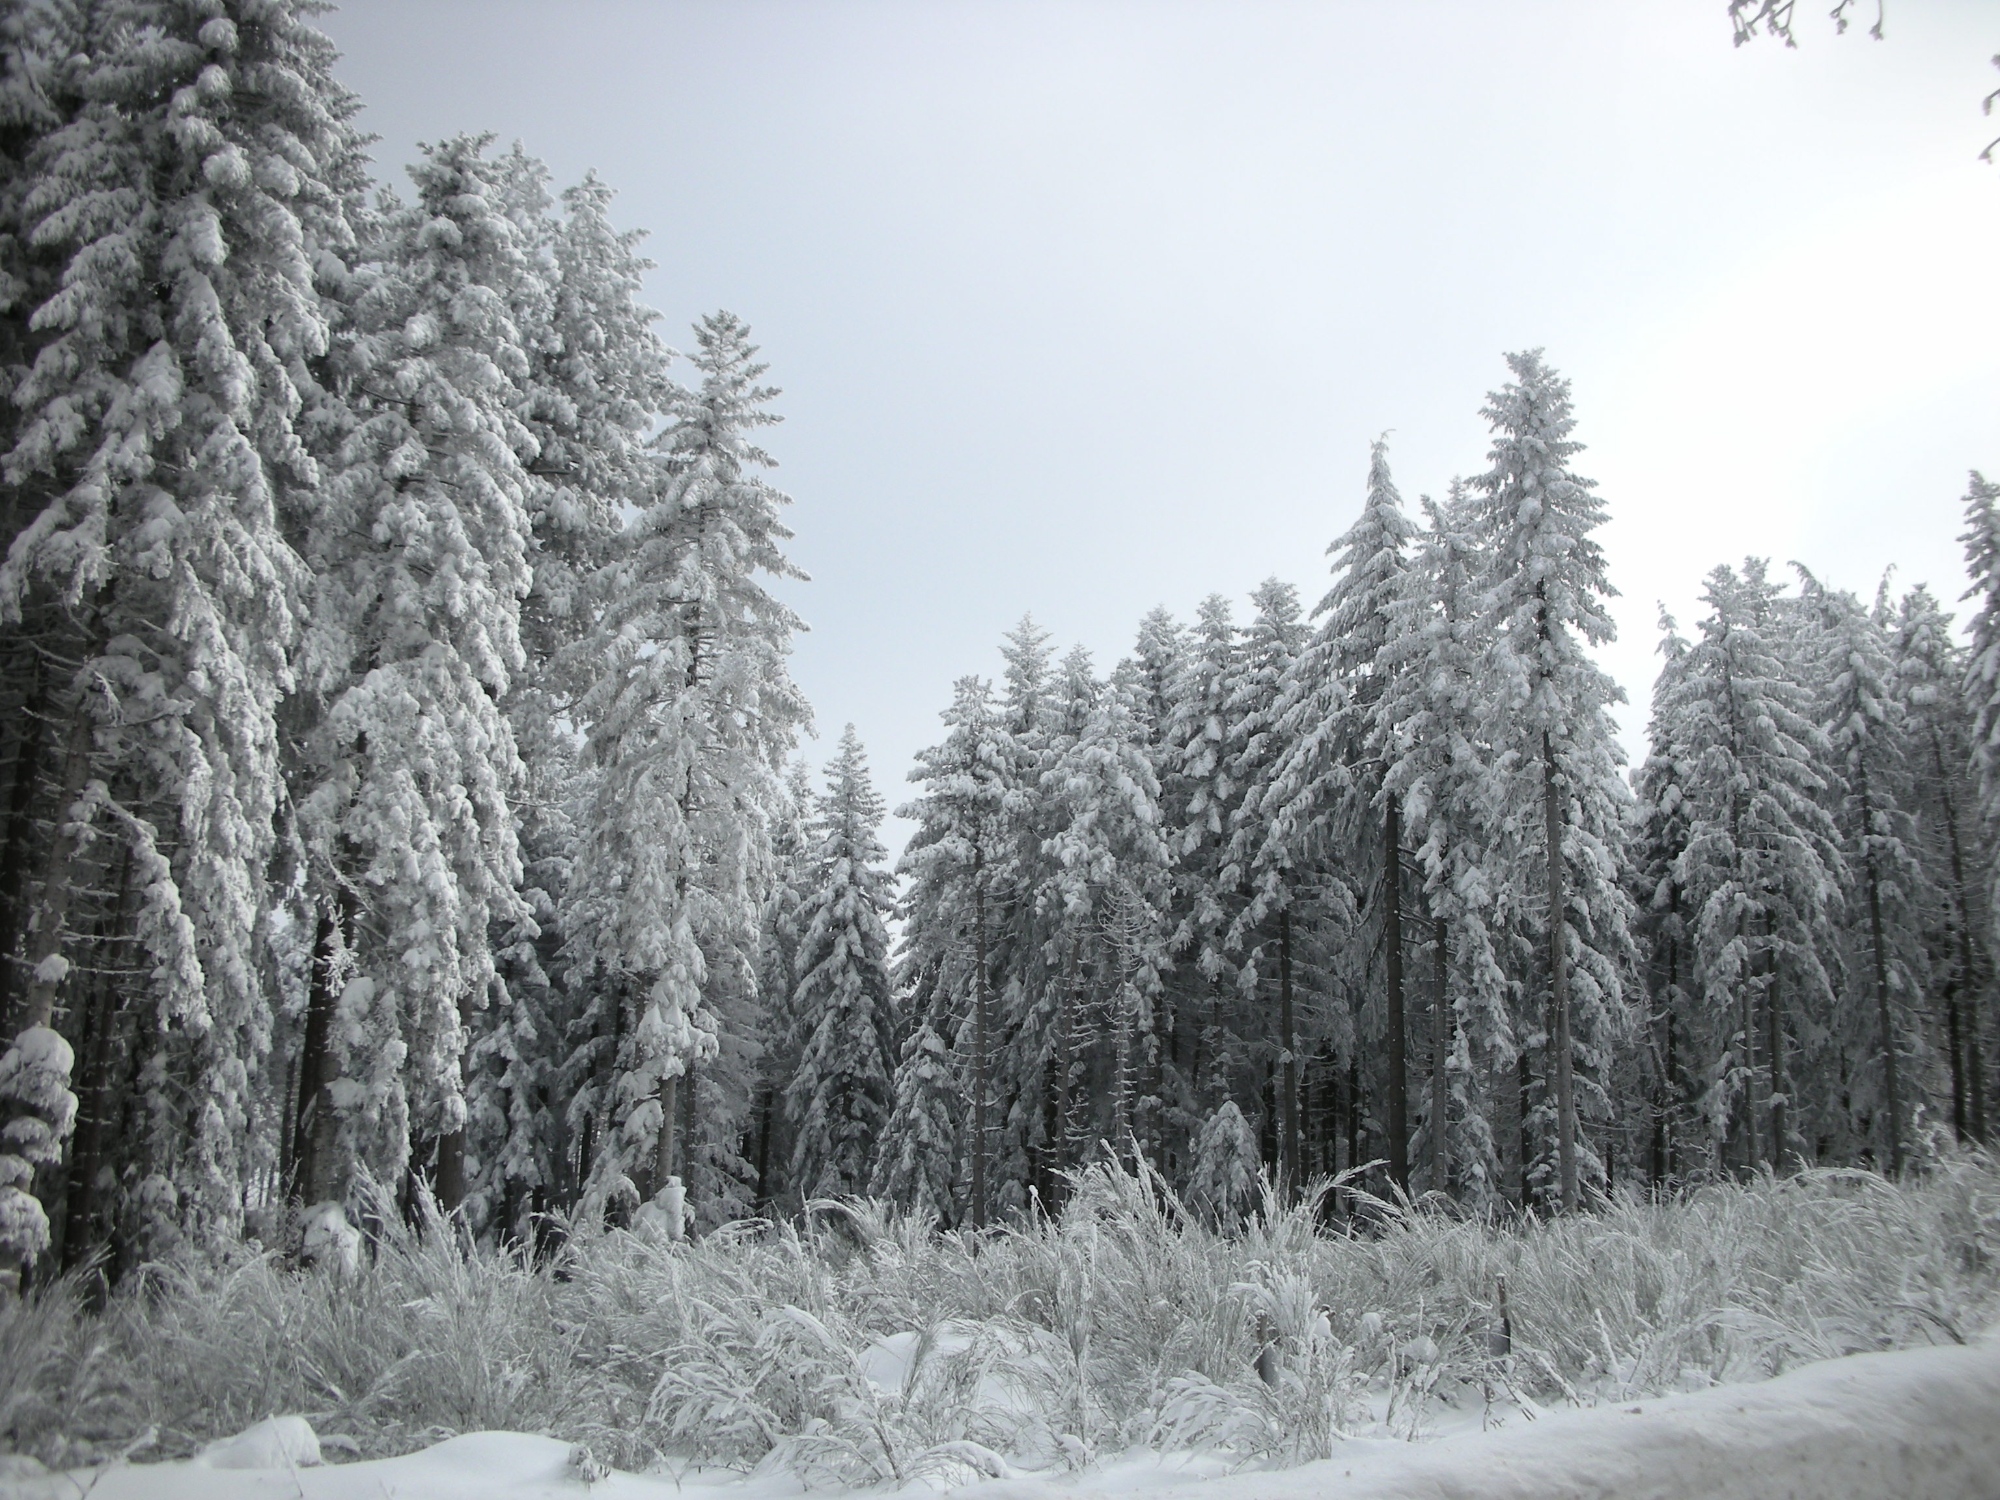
(1918, 1424)
(274, 1443)
(1921, 1424)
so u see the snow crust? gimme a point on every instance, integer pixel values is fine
(1920, 1424)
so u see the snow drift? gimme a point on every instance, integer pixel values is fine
(1918, 1424)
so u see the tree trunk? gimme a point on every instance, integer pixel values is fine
(1288, 1065)
(309, 1176)
(1753, 1150)
(1894, 1130)
(979, 1041)
(1058, 1159)
(1392, 937)
(50, 917)
(1565, 1083)
(1774, 1061)
(766, 1108)
(19, 837)
(1440, 1057)
(1954, 1030)
(663, 1145)
(1967, 995)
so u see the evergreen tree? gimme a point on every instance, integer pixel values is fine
(174, 171)
(691, 716)
(1545, 593)
(950, 864)
(1930, 668)
(1436, 715)
(837, 1100)
(1861, 713)
(1761, 867)
(420, 560)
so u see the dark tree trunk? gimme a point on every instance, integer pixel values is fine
(1059, 1125)
(1893, 1130)
(979, 1080)
(663, 1144)
(1774, 1061)
(1288, 1065)
(309, 1178)
(1440, 1057)
(1565, 1084)
(766, 1109)
(50, 918)
(1972, 1083)
(1392, 938)
(16, 852)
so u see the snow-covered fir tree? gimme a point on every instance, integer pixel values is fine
(691, 715)
(419, 553)
(1760, 864)
(838, 1098)
(179, 170)
(1556, 756)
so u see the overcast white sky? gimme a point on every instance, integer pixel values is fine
(1082, 308)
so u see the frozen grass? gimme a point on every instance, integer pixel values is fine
(862, 1348)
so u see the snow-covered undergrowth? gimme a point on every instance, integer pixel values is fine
(862, 1349)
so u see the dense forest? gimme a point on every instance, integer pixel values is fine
(401, 792)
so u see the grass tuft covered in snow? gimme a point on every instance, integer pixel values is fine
(862, 1348)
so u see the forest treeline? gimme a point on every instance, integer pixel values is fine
(398, 752)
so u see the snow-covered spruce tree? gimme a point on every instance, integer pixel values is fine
(1556, 754)
(420, 560)
(838, 1099)
(1761, 867)
(691, 716)
(172, 191)
(1103, 895)
(945, 1072)
(793, 857)
(1254, 871)
(1662, 822)
(1930, 668)
(1981, 689)
(1162, 1112)
(1434, 716)
(1356, 619)
(1847, 653)
(1020, 976)
(1203, 773)
(1226, 1175)
(597, 387)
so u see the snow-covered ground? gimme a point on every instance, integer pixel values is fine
(1918, 1424)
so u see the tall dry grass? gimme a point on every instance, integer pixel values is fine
(860, 1347)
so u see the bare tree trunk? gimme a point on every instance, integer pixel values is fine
(1288, 1065)
(1954, 1029)
(1392, 937)
(1973, 1083)
(979, 1041)
(307, 1176)
(1440, 1057)
(766, 1109)
(663, 1146)
(1894, 1130)
(18, 838)
(450, 1180)
(50, 917)
(1774, 1061)
(1559, 982)
(1059, 1083)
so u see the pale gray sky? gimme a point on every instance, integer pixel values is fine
(1082, 308)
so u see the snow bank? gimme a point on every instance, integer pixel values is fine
(1921, 1424)
(1918, 1424)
